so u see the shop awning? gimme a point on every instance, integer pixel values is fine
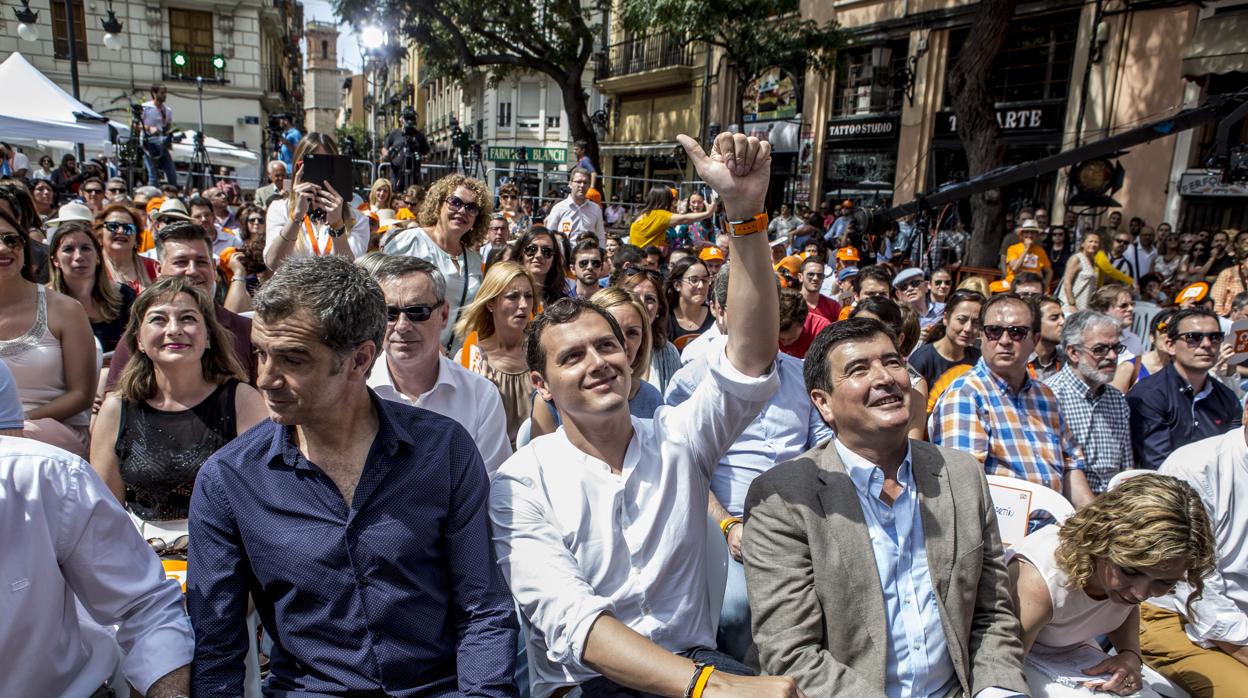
(1218, 46)
(639, 149)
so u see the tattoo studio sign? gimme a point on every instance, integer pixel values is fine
(858, 129)
(1026, 119)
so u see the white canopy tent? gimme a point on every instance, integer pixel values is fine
(38, 110)
(245, 163)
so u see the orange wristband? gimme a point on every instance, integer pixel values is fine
(703, 679)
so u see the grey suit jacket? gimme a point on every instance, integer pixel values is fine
(815, 597)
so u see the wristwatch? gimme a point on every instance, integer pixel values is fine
(335, 232)
(757, 224)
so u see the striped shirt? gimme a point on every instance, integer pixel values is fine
(1101, 423)
(1018, 434)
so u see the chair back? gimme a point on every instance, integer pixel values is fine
(1015, 500)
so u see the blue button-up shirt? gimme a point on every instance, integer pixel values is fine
(1166, 413)
(398, 593)
(786, 428)
(918, 656)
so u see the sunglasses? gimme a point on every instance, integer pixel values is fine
(544, 250)
(119, 228)
(1100, 350)
(414, 313)
(912, 283)
(1194, 339)
(1017, 332)
(254, 220)
(92, 191)
(116, 190)
(941, 282)
(177, 546)
(506, 196)
(587, 263)
(12, 241)
(457, 204)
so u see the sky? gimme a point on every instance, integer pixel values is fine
(348, 48)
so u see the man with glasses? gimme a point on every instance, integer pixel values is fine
(577, 215)
(1118, 254)
(911, 289)
(998, 414)
(587, 267)
(813, 271)
(92, 193)
(1096, 411)
(203, 215)
(1182, 403)
(277, 183)
(412, 368)
(116, 189)
(157, 129)
(496, 235)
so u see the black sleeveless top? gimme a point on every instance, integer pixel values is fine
(160, 452)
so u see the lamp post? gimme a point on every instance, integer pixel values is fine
(374, 41)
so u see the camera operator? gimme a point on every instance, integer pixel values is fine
(157, 120)
(404, 148)
(287, 139)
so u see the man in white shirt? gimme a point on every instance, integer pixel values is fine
(577, 215)
(1202, 644)
(1143, 252)
(600, 527)
(157, 127)
(67, 542)
(202, 214)
(413, 369)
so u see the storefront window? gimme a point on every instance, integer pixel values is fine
(1035, 62)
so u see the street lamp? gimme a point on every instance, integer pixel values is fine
(112, 27)
(26, 19)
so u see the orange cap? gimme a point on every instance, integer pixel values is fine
(1192, 293)
(711, 252)
(999, 286)
(848, 254)
(792, 263)
(153, 204)
(227, 254)
(847, 204)
(594, 195)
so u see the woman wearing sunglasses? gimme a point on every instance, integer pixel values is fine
(290, 228)
(78, 272)
(509, 206)
(493, 326)
(119, 227)
(45, 339)
(181, 397)
(452, 224)
(542, 256)
(1086, 578)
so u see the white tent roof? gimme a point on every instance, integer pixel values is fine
(246, 163)
(40, 110)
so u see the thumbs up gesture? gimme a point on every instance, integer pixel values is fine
(738, 168)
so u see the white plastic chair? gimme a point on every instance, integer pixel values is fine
(716, 569)
(1124, 476)
(1039, 498)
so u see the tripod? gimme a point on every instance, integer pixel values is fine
(132, 151)
(200, 166)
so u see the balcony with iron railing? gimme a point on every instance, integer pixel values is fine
(198, 65)
(654, 60)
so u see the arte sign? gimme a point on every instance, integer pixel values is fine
(1205, 184)
(505, 154)
(771, 95)
(1026, 119)
(882, 127)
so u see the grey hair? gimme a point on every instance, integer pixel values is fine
(347, 303)
(719, 287)
(1083, 320)
(371, 262)
(395, 266)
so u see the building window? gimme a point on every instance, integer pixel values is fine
(528, 111)
(504, 114)
(554, 106)
(1036, 61)
(871, 80)
(325, 49)
(60, 31)
(190, 31)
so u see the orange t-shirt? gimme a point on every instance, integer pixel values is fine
(1034, 260)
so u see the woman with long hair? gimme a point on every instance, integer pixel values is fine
(181, 397)
(953, 343)
(1199, 261)
(1058, 246)
(119, 227)
(290, 230)
(45, 339)
(380, 196)
(650, 226)
(452, 223)
(509, 205)
(45, 198)
(687, 288)
(647, 285)
(696, 233)
(247, 261)
(1169, 260)
(541, 253)
(1086, 578)
(1080, 279)
(78, 272)
(493, 326)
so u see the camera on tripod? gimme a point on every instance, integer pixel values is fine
(411, 134)
(136, 112)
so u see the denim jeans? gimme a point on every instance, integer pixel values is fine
(735, 637)
(162, 163)
(602, 687)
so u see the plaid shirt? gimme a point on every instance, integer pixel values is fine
(1100, 422)
(1017, 435)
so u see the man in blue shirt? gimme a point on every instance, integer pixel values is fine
(356, 525)
(289, 141)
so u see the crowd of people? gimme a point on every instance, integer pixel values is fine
(440, 441)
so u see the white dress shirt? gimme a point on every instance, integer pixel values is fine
(415, 242)
(576, 540)
(468, 398)
(278, 216)
(570, 219)
(1217, 468)
(67, 541)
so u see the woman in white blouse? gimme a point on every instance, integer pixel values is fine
(453, 221)
(291, 232)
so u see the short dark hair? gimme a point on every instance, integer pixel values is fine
(793, 309)
(90, 180)
(1104, 297)
(1172, 326)
(874, 272)
(1027, 277)
(814, 259)
(587, 243)
(198, 200)
(885, 309)
(652, 250)
(626, 255)
(1043, 298)
(815, 370)
(1011, 297)
(561, 312)
(181, 231)
(1239, 301)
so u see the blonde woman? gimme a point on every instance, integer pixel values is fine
(289, 228)
(1087, 578)
(493, 326)
(630, 315)
(452, 224)
(381, 196)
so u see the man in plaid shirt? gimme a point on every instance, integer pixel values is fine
(1000, 416)
(1095, 411)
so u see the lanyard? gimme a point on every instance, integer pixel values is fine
(316, 249)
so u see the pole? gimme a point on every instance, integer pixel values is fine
(73, 62)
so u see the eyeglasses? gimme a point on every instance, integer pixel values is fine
(116, 190)
(1194, 339)
(93, 191)
(12, 241)
(1122, 241)
(1017, 332)
(814, 275)
(414, 313)
(457, 204)
(697, 280)
(119, 228)
(587, 263)
(912, 283)
(544, 250)
(942, 282)
(254, 220)
(1100, 350)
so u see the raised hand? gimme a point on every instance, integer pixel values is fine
(738, 168)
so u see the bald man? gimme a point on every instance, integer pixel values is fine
(277, 182)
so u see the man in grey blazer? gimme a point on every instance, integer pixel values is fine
(873, 562)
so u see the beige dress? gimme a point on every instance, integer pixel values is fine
(515, 388)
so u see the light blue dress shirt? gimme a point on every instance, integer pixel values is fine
(918, 664)
(786, 428)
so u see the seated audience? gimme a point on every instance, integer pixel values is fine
(78, 271)
(955, 343)
(647, 285)
(119, 227)
(798, 326)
